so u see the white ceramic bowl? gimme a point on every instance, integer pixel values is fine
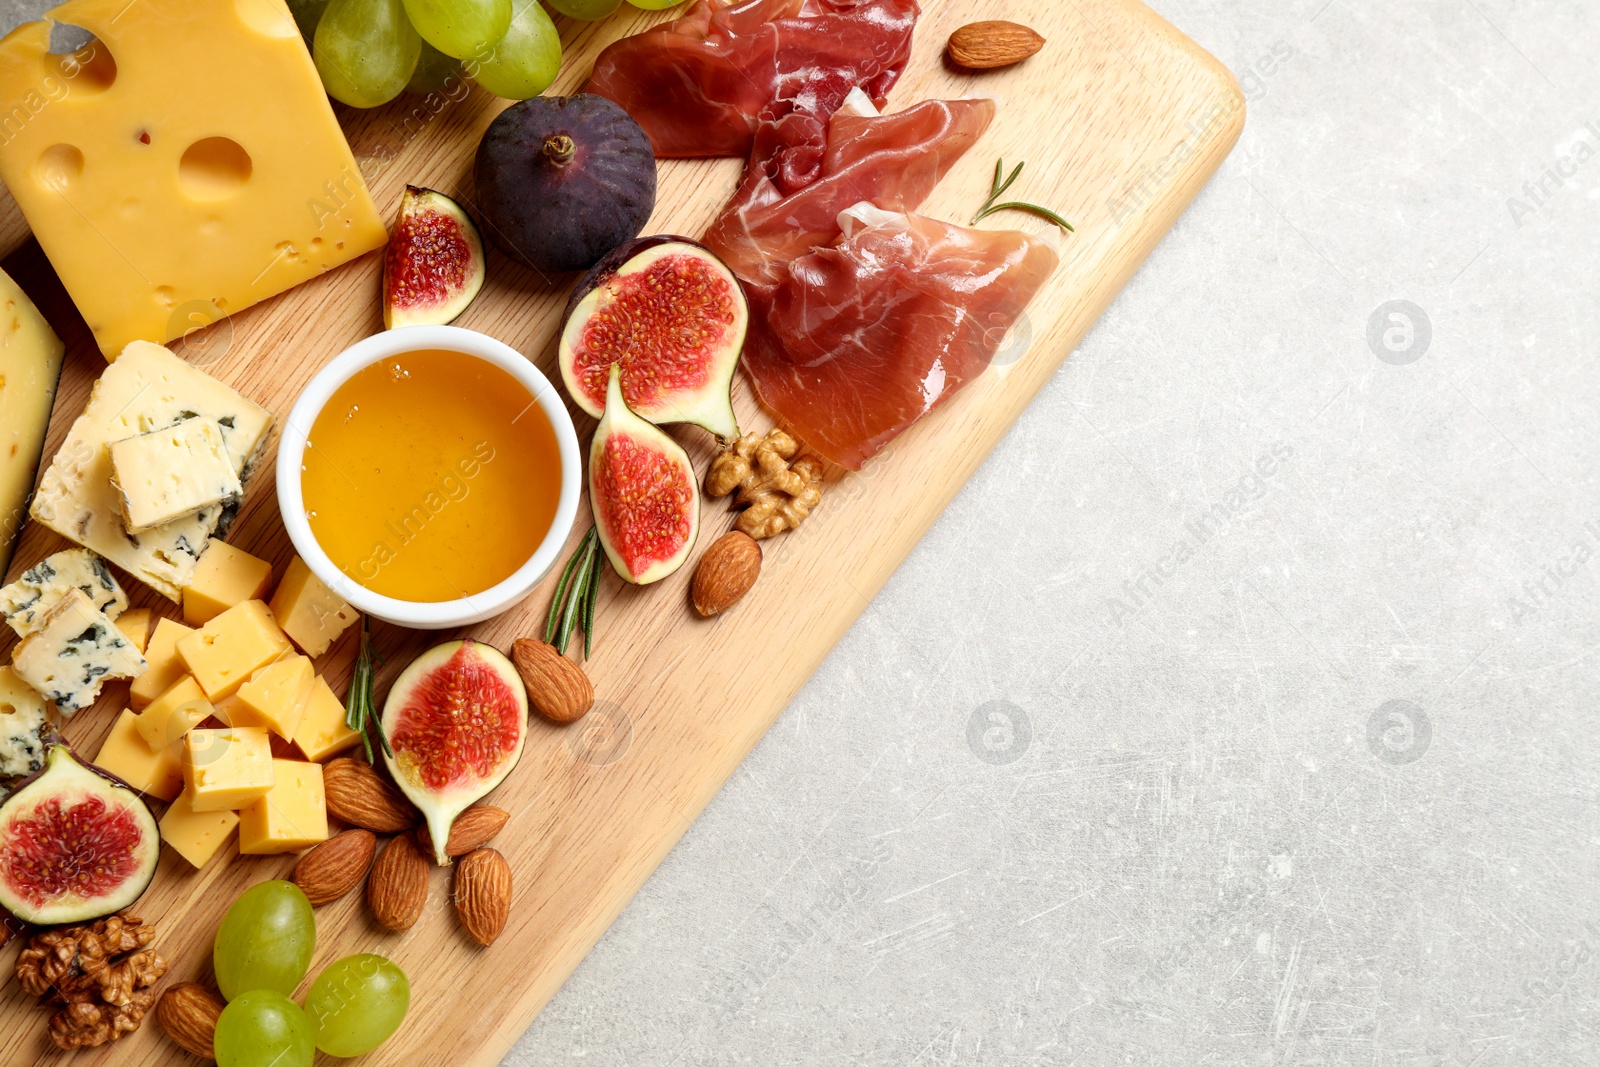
(441, 615)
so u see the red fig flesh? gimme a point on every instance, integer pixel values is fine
(456, 721)
(673, 317)
(643, 491)
(74, 845)
(434, 265)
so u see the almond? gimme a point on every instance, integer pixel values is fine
(557, 687)
(985, 45)
(725, 573)
(335, 867)
(472, 829)
(357, 795)
(398, 886)
(483, 894)
(188, 1013)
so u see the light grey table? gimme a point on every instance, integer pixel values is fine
(1242, 709)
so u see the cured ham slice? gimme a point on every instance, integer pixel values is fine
(702, 85)
(890, 161)
(862, 339)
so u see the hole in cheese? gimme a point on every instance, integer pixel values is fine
(88, 68)
(214, 168)
(59, 165)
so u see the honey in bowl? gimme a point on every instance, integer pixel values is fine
(431, 476)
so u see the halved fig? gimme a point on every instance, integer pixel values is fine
(643, 492)
(673, 317)
(74, 844)
(433, 267)
(456, 721)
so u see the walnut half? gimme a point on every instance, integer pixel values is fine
(776, 490)
(101, 971)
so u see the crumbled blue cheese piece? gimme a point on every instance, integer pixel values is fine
(147, 388)
(25, 728)
(26, 601)
(74, 652)
(165, 475)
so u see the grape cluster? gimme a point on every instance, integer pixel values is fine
(369, 51)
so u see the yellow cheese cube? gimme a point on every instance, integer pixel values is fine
(166, 666)
(224, 577)
(225, 652)
(174, 713)
(293, 816)
(226, 768)
(197, 169)
(310, 613)
(276, 695)
(135, 626)
(322, 731)
(124, 753)
(196, 835)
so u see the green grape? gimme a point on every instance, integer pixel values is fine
(263, 1029)
(434, 72)
(460, 28)
(655, 5)
(586, 9)
(307, 13)
(526, 60)
(366, 51)
(356, 1003)
(265, 940)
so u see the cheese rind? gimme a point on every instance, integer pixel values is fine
(148, 388)
(196, 835)
(210, 175)
(165, 665)
(156, 771)
(310, 613)
(226, 768)
(26, 601)
(165, 475)
(225, 652)
(74, 652)
(293, 816)
(322, 733)
(30, 368)
(24, 727)
(224, 577)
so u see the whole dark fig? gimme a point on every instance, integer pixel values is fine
(564, 180)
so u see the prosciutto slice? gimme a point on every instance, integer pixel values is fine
(704, 84)
(860, 340)
(890, 161)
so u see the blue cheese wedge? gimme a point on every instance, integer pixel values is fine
(74, 652)
(170, 474)
(25, 728)
(25, 602)
(146, 389)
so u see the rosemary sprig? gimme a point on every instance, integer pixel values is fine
(360, 710)
(1002, 184)
(573, 604)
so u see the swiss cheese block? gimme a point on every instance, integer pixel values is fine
(24, 727)
(226, 769)
(124, 753)
(174, 713)
(190, 172)
(225, 576)
(277, 694)
(225, 652)
(147, 389)
(165, 665)
(293, 816)
(74, 652)
(322, 733)
(310, 613)
(26, 601)
(135, 626)
(30, 366)
(196, 835)
(167, 474)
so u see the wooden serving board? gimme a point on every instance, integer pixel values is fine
(1121, 120)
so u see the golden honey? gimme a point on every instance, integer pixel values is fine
(431, 476)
